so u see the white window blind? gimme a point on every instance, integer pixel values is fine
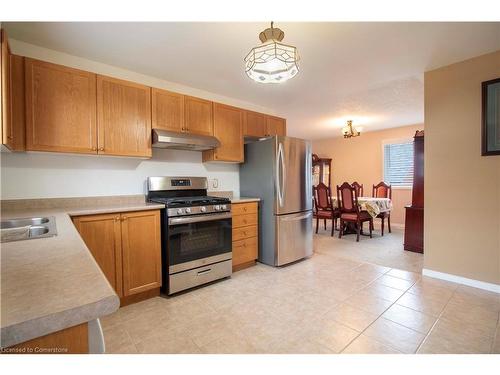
(398, 163)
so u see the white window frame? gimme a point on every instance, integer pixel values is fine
(391, 142)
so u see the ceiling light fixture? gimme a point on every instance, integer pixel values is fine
(272, 61)
(350, 132)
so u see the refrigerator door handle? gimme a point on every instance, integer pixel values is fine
(283, 172)
(305, 216)
(279, 168)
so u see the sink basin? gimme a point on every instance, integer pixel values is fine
(27, 228)
(37, 231)
(16, 223)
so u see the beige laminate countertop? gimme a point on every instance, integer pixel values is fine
(50, 284)
(244, 200)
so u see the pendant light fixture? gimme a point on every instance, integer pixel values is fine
(272, 61)
(350, 132)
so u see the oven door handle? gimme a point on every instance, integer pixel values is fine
(198, 218)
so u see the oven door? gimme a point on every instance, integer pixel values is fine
(194, 241)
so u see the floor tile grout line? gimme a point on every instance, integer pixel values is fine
(496, 335)
(383, 312)
(437, 320)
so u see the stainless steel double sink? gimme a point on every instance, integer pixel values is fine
(27, 228)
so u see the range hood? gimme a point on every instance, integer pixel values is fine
(183, 141)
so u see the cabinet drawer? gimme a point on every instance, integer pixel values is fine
(244, 251)
(244, 208)
(244, 220)
(244, 232)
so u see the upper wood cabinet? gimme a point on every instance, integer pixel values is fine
(228, 129)
(16, 133)
(102, 235)
(198, 116)
(255, 124)
(141, 246)
(123, 117)
(276, 126)
(5, 89)
(167, 110)
(60, 108)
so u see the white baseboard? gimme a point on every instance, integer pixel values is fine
(462, 280)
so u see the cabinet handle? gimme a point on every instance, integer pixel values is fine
(117, 218)
(10, 137)
(124, 218)
(244, 208)
(94, 148)
(101, 148)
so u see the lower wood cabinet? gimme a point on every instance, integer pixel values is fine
(127, 247)
(245, 234)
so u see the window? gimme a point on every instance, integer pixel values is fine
(398, 163)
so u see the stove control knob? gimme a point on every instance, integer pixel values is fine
(203, 209)
(217, 208)
(188, 210)
(223, 207)
(180, 211)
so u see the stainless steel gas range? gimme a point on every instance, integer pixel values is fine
(196, 232)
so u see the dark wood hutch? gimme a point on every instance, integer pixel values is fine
(414, 221)
(321, 170)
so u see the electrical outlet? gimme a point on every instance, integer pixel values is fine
(215, 183)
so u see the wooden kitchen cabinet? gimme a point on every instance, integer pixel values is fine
(276, 126)
(141, 249)
(123, 117)
(102, 235)
(198, 116)
(127, 248)
(16, 133)
(255, 124)
(245, 234)
(60, 108)
(5, 89)
(167, 110)
(228, 129)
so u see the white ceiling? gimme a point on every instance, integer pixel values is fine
(369, 72)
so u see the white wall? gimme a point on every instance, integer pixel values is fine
(45, 175)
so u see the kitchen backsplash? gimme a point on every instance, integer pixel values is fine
(45, 175)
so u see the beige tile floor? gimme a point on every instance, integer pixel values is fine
(328, 303)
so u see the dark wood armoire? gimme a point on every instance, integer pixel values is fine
(414, 221)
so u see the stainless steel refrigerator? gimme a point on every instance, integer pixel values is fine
(278, 171)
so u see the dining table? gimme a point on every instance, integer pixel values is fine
(373, 205)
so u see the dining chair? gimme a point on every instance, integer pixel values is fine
(324, 207)
(349, 210)
(359, 188)
(382, 190)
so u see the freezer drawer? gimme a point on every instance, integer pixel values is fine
(294, 237)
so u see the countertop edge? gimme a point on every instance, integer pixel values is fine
(45, 325)
(111, 210)
(244, 200)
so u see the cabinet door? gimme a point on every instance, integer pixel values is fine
(168, 110)
(276, 126)
(102, 235)
(198, 116)
(123, 117)
(255, 124)
(141, 249)
(5, 90)
(17, 107)
(228, 129)
(60, 108)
